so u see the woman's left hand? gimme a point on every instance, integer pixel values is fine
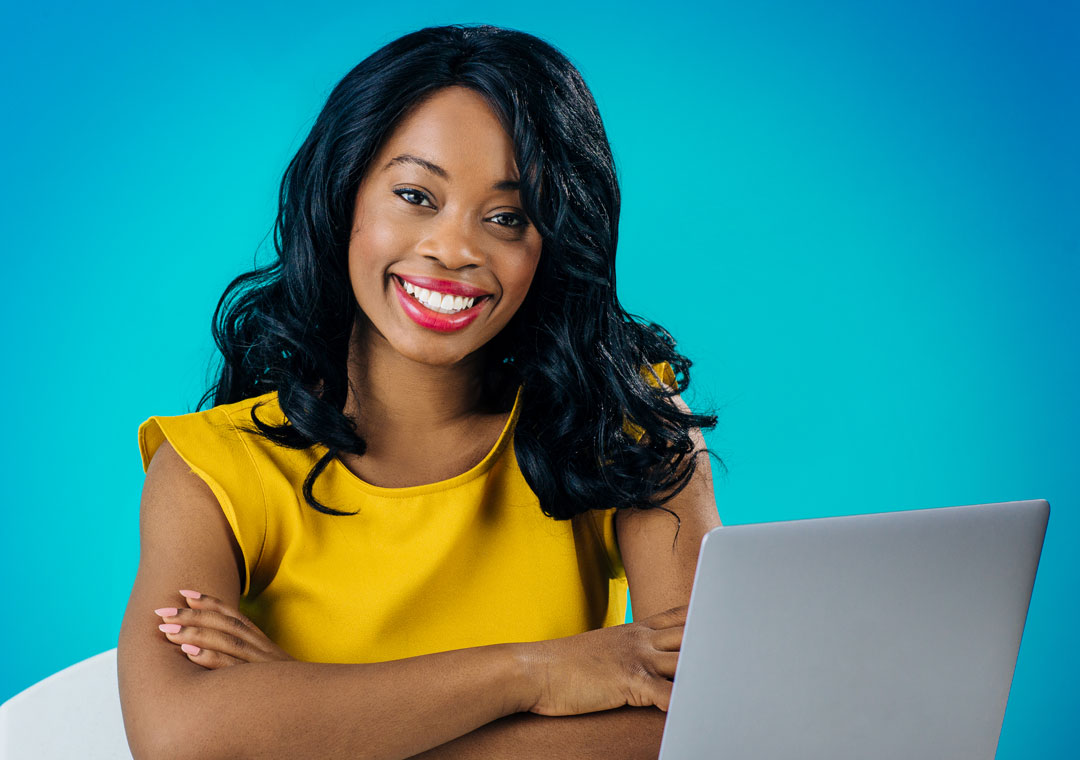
(214, 635)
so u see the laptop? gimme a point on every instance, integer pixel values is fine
(890, 635)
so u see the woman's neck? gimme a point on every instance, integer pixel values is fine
(389, 391)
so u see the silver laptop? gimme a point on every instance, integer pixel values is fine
(882, 636)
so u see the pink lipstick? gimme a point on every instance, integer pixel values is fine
(431, 319)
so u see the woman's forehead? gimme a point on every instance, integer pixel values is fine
(457, 131)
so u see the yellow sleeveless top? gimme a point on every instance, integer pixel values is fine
(463, 562)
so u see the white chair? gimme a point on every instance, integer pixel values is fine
(74, 713)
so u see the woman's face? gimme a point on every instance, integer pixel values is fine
(439, 213)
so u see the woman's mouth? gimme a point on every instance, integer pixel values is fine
(437, 311)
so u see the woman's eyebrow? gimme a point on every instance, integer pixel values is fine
(409, 158)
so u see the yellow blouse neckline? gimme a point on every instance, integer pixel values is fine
(485, 464)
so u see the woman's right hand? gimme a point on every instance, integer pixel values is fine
(631, 664)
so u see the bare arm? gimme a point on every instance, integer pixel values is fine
(174, 708)
(628, 733)
(379, 710)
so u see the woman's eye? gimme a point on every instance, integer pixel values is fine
(515, 220)
(409, 191)
(416, 198)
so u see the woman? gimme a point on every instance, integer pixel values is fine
(401, 506)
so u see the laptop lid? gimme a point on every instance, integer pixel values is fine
(890, 635)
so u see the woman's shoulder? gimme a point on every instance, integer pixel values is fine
(658, 370)
(208, 432)
(214, 447)
(264, 406)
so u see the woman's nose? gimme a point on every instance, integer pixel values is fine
(453, 243)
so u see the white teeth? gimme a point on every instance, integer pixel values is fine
(441, 302)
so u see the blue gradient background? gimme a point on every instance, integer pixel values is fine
(861, 223)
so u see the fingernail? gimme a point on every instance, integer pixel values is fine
(190, 648)
(169, 628)
(190, 594)
(165, 611)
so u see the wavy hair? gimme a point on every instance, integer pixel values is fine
(285, 327)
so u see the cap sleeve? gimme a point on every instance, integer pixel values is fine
(666, 374)
(212, 447)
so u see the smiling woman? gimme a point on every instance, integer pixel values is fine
(443, 202)
(440, 353)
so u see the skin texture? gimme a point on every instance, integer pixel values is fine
(592, 695)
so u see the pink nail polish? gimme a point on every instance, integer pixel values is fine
(190, 594)
(169, 628)
(165, 611)
(190, 648)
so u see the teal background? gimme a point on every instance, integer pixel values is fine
(860, 222)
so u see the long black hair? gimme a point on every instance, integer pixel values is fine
(285, 327)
